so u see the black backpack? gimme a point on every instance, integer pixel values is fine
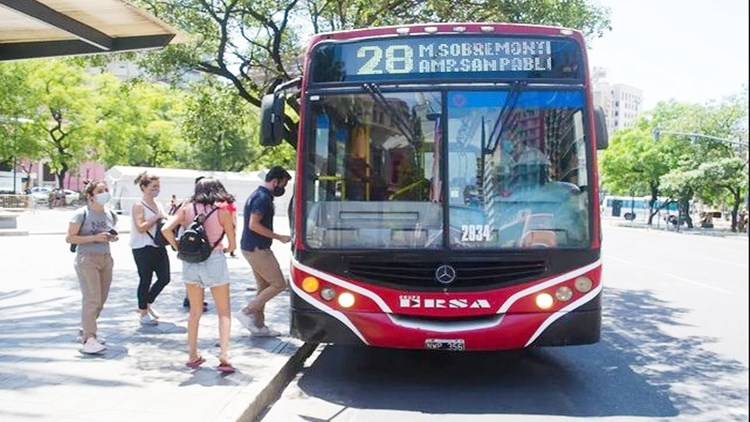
(194, 245)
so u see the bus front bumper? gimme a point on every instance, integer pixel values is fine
(510, 331)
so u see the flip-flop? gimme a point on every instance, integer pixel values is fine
(196, 363)
(225, 368)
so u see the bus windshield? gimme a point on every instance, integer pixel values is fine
(501, 168)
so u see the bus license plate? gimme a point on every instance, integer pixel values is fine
(454, 345)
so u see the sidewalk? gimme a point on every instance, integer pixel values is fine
(142, 375)
(721, 228)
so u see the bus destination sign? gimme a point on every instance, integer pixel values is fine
(446, 57)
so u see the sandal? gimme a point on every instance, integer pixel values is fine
(192, 364)
(225, 368)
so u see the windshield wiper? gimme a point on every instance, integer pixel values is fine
(374, 90)
(502, 119)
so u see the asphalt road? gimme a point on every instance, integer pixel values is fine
(674, 347)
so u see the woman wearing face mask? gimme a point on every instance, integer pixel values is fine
(91, 229)
(149, 248)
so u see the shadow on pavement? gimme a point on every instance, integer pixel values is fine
(633, 371)
(43, 331)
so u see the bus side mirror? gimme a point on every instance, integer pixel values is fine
(272, 119)
(600, 129)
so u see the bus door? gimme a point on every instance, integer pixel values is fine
(616, 207)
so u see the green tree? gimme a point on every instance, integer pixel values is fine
(218, 126)
(682, 167)
(65, 106)
(255, 45)
(19, 137)
(724, 181)
(634, 164)
(144, 127)
(333, 15)
(706, 167)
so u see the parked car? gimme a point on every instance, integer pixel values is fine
(71, 197)
(40, 194)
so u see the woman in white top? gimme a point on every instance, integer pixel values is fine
(149, 248)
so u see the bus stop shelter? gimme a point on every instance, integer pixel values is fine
(49, 28)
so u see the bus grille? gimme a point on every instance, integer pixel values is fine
(468, 274)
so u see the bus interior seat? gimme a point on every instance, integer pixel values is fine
(538, 238)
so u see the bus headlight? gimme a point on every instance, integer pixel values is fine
(346, 300)
(564, 293)
(583, 284)
(544, 300)
(310, 284)
(327, 293)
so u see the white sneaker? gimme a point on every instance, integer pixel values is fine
(147, 320)
(92, 347)
(245, 319)
(100, 339)
(153, 313)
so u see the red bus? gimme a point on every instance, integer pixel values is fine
(446, 190)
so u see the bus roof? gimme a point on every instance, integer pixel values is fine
(456, 28)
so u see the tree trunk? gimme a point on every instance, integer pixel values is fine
(737, 199)
(654, 188)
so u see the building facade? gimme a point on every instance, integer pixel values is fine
(621, 103)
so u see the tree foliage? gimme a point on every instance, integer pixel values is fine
(685, 167)
(218, 127)
(256, 44)
(144, 128)
(19, 137)
(61, 112)
(66, 106)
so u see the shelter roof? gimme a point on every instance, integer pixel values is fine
(48, 28)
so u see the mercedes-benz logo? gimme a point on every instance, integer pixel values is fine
(445, 274)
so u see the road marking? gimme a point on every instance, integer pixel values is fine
(734, 264)
(707, 286)
(624, 261)
(630, 264)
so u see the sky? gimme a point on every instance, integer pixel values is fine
(689, 50)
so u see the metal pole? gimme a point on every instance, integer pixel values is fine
(15, 191)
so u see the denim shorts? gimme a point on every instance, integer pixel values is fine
(209, 273)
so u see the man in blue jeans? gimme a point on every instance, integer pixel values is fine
(257, 236)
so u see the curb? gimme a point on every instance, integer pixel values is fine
(13, 232)
(685, 231)
(20, 232)
(273, 390)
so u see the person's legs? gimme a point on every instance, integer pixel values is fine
(160, 265)
(223, 311)
(261, 284)
(105, 278)
(88, 278)
(259, 316)
(266, 268)
(195, 296)
(145, 274)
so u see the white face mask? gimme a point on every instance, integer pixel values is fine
(102, 198)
